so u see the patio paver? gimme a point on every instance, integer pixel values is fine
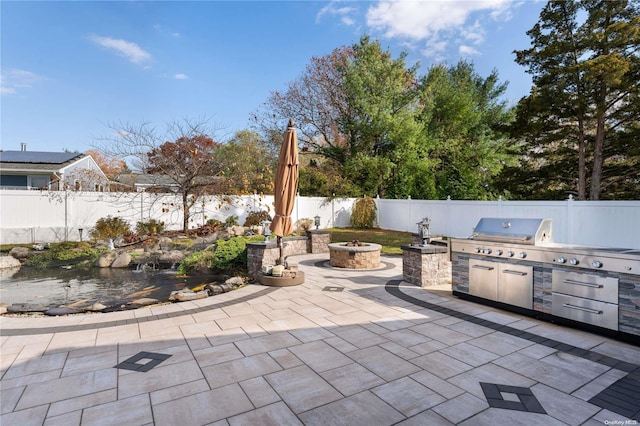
(378, 352)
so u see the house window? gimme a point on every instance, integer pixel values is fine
(38, 181)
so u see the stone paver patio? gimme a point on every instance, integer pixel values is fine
(344, 348)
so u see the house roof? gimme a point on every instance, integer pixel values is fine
(37, 160)
(146, 180)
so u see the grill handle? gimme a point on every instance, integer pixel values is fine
(576, 282)
(512, 272)
(580, 308)
(484, 268)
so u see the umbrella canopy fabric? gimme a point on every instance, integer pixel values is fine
(286, 183)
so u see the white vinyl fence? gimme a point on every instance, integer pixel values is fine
(34, 216)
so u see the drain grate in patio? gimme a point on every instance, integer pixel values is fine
(517, 398)
(133, 363)
(334, 289)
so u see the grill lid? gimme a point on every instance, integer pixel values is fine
(515, 230)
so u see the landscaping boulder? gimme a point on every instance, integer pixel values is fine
(122, 260)
(9, 262)
(174, 257)
(106, 259)
(55, 312)
(26, 308)
(20, 253)
(235, 282)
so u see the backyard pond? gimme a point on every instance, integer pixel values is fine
(81, 288)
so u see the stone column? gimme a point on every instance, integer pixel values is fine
(427, 265)
(318, 241)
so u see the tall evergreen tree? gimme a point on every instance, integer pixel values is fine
(585, 76)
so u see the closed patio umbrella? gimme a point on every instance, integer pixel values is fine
(286, 186)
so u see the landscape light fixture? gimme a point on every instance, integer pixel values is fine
(423, 230)
(316, 221)
(265, 228)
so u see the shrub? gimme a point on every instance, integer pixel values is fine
(215, 223)
(303, 225)
(63, 254)
(364, 213)
(256, 218)
(228, 257)
(110, 227)
(203, 259)
(150, 227)
(231, 220)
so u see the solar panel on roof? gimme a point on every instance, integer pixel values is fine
(37, 157)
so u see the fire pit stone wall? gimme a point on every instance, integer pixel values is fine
(363, 256)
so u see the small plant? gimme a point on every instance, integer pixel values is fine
(231, 221)
(256, 218)
(110, 228)
(150, 227)
(364, 213)
(228, 257)
(215, 223)
(303, 225)
(63, 254)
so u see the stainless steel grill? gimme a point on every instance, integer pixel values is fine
(522, 231)
(532, 240)
(502, 259)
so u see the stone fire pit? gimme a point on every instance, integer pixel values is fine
(354, 255)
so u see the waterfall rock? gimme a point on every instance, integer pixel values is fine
(122, 260)
(106, 259)
(171, 258)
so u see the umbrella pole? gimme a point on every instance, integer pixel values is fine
(281, 259)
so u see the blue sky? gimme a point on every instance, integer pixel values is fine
(68, 69)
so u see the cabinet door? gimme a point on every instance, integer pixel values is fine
(483, 279)
(515, 285)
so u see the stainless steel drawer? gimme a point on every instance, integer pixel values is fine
(588, 311)
(585, 285)
(483, 279)
(515, 285)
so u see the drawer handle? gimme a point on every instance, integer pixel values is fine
(512, 272)
(484, 268)
(576, 282)
(580, 308)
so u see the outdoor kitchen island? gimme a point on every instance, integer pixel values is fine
(514, 264)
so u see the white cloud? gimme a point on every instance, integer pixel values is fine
(333, 9)
(176, 34)
(436, 23)
(133, 52)
(467, 50)
(12, 80)
(181, 77)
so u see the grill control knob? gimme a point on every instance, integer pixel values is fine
(561, 259)
(522, 255)
(499, 252)
(596, 264)
(478, 250)
(510, 253)
(574, 261)
(487, 251)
